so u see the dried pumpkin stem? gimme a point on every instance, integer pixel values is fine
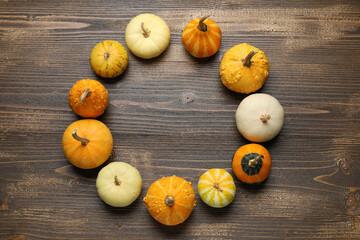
(202, 26)
(146, 31)
(216, 185)
(265, 117)
(254, 162)
(106, 55)
(117, 181)
(247, 60)
(84, 140)
(86, 93)
(169, 200)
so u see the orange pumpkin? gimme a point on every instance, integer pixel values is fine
(87, 143)
(88, 98)
(170, 200)
(201, 37)
(251, 163)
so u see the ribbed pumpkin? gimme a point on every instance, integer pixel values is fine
(109, 59)
(251, 163)
(170, 200)
(87, 143)
(244, 68)
(216, 188)
(201, 37)
(88, 98)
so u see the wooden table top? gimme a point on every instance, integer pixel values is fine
(172, 116)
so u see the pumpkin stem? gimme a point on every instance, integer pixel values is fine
(265, 117)
(253, 162)
(169, 200)
(202, 26)
(216, 185)
(86, 93)
(117, 181)
(146, 31)
(106, 55)
(84, 140)
(247, 60)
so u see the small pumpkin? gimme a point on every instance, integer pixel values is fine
(87, 143)
(201, 37)
(109, 59)
(118, 184)
(216, 188)
(259, 117)
(244, 68)
(88, 98)
(147, 35)
(170, 200)
(252, 163)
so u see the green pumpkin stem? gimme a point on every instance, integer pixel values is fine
(84, 140)
(169, 200)
(247, 60)
(253, 162)
(202, 26)
(146, 31)
(86, 93)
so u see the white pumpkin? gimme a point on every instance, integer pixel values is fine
(259, 117)
(119, 184)
(147, 35)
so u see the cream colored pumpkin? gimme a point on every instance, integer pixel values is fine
(147, 35)
(259, 117)
(119, 184)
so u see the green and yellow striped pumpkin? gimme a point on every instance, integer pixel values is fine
(201, 37)
(216, 188)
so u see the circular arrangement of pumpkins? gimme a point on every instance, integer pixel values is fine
(88, 143)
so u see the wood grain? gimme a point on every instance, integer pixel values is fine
(172, 115)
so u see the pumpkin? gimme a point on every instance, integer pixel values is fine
(216, 188)
(118, 184)
(147, 35)
(109, 59)
(201, 37)
(251, 163)
(259, 117)
(170, 200)
(87, 143)
(88, 98)
(244, 68)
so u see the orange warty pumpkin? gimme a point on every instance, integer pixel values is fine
(202, 37)
(87, 143)
(251, 163)
(170, 200)
(88, 98)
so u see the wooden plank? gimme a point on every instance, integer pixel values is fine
(172, 115)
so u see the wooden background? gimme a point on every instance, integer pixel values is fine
(172, 115)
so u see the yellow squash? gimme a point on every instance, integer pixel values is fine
(216, 188)
(244, 68)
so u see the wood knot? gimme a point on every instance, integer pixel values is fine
(187, 97)
(352, 202)
(343, 166)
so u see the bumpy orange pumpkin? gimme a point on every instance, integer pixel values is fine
(87, 143)
(244, 68)
(202, 37)
(88, 98)
(251, 163)
(109, 59)
(170, 200)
